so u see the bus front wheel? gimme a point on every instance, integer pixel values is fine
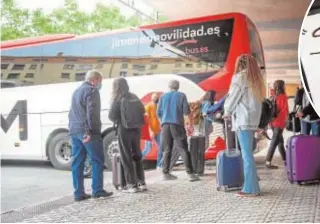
(60, 151)
(110, 147)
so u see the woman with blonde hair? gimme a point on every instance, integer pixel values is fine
(243, 105)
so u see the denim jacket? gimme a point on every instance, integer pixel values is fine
(208, 127)
(242, 105)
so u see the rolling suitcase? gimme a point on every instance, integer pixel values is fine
(118, 179)
(229, 173)
(197, 151)
(303, 158)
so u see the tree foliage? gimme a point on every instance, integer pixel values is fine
(18, 23)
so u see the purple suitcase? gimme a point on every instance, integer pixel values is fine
(303, 158)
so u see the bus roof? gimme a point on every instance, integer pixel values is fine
(35, 40)
(60, 37)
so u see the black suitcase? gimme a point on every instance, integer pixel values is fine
(118, 178)
(197, 149)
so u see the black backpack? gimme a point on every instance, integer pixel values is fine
(131, 111)
(268, 113)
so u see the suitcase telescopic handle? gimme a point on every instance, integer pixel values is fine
(294, 124)
(295, 110)
(228, 123)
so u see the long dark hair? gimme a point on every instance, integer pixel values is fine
(279, 87)
(210, 96)
(120, 88)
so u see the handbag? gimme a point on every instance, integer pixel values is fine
(293, 123)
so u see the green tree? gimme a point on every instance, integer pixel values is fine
(19, 23)
(70, 19)
(14, 21)
(42, 24)
(106, 18)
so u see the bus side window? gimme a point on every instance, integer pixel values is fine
(5, 85)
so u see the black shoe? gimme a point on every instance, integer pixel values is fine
(169, 176)
(87, 176)
(82, 198)
(193, 177)
(273, 167)
(102, 194)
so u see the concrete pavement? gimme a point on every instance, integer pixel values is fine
(182, 201)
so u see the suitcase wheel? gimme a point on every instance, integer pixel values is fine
(222, 188)
(299, 183)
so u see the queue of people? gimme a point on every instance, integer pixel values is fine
(127, 113)
(170, 118)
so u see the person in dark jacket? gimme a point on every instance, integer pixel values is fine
(85, 132)
(301, 101)
(129, 140)
(172, 108)
(299, 95)
(312, 120)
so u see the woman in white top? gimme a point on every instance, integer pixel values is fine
(243, 105)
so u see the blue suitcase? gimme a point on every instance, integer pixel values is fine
(229, 173)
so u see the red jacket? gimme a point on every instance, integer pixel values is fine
(283, 111)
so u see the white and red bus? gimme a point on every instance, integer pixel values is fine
(202, 50)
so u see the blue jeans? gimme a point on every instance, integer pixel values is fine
(148, 146)
(251, 182)
(306, 128)
(94, 148)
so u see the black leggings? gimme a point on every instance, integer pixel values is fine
(130, 154)
(277, 140)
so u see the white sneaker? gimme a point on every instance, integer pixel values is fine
(142, 187)
(159, 169)
(130, 189)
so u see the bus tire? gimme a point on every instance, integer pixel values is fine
(110, 146)
(60, 151)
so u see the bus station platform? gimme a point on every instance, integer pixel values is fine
(184, 201)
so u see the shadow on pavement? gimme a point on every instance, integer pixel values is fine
(29, 163)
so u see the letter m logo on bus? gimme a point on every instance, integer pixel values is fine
(19, 110)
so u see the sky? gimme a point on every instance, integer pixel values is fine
(86, 5)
